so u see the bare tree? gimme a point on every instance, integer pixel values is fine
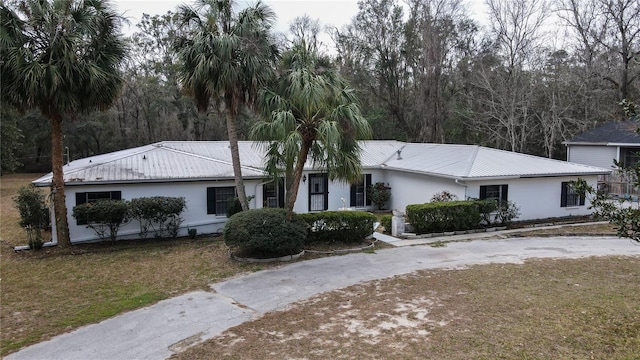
(503, 89)
(608, 33)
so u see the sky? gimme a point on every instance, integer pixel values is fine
(329, 12)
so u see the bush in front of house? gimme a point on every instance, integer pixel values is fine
(444, 216)
(105, 217)
(34, 214)
(385, 221)
(379, 193)
(342, 226)
(506, 212)
(160, 214)
(265, 233)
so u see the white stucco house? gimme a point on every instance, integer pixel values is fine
(615, 140)
(201, 172)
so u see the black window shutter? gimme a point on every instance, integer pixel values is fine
(563, 195)
(211, 200)
(483, 192)
(367, 184)
(505, 192)
(116, 195)
(81, 198)
(326, 191)
(281, 193)
(352, 201)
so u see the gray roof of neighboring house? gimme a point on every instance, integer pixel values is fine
(614, 132)
(210, 160)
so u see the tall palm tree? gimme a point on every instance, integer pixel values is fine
(227, 56)
(62, 57)
(310, 112)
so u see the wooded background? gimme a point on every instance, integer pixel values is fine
(538, 74)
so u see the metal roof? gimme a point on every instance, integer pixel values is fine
(472, 162)
(211, 160)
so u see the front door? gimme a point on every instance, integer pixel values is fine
(318, 192)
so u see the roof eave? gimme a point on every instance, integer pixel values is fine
(147, 181)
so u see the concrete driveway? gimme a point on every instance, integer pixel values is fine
(157, 331)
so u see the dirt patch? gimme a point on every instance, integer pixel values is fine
(556, 309)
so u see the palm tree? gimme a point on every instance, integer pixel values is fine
(230, 57)
(62, 57)
(310, 112)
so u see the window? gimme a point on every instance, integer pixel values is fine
(273, 194)
(217, 198)
(359, 192)
(318, 192)
(569, 196)
(494, 192)
(630, 157)
(89, 197)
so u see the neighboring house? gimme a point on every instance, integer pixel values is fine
(615, 140)
(202, 173)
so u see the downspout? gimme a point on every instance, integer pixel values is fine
(255, 192)
(462, 184)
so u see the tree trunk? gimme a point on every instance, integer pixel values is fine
(297, 175)
(57, 183)
(235, 156)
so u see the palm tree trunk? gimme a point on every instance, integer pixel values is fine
(57, 183)
(297, 175)
(235, 157)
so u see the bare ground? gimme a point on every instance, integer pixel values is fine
(545, 309)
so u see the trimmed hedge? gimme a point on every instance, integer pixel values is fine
(385, 221)
(449, 215)
(161, 214)
(265, 233)
(105, 217)
(344, 226)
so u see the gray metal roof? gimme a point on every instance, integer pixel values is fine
(472, 162)
(209, 160)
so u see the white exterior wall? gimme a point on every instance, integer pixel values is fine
(537, 198)
(195, 214)
(408, 188)
(600, 156)
(337, 192)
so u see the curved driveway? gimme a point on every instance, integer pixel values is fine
(157, 331)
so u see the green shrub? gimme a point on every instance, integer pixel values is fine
(105, 217)
(379, 194)
(344, 226)
(265, 232)
(385, 220)
(444, 216)
(34, 214)
(233, 206)
(161, 214)
(506, 212)
(487, 210)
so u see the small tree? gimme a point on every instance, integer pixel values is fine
(623, 213)
(105, 217)
(34, 214)
(379, 193)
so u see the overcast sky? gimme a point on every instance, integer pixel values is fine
(329, 12)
